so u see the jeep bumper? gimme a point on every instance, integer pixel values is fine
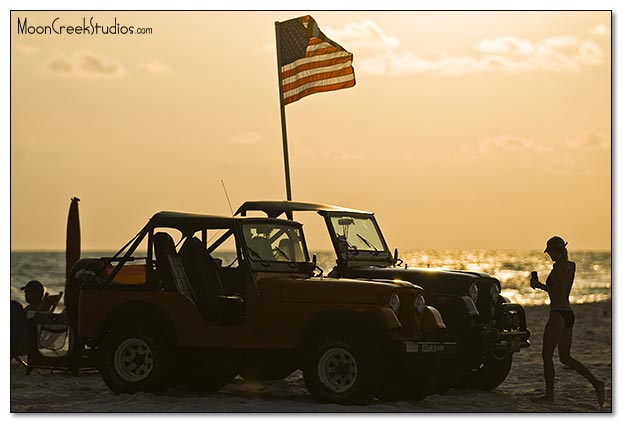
(514, 339)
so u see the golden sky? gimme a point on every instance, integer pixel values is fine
(465, 129)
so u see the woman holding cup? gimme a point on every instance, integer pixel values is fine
(558, 329)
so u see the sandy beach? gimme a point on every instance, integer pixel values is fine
(58, 392)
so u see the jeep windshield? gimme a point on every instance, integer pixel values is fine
(357, 233)
(274, 245)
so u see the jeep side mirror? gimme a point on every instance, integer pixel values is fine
(397, 261)
(316, 267)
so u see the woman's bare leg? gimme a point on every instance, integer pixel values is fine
(552, 334)
(565, 342)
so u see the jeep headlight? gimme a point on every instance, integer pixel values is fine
(494, 293)
(473, 292)
(420, 304)
(394, 303)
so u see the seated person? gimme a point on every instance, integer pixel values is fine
(38, 299)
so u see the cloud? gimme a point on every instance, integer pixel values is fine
(156, 66)
(506, 46)
(83, 64)
(510, 144)
(362, 35)
(590, 53)
(376, 52)
(591, 140)
(600, 30)
(247, 138)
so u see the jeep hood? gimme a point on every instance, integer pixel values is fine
(437, 281)
(336, 291)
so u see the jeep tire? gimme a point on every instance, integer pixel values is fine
(492, 373)
(342, 370)
(135, 359)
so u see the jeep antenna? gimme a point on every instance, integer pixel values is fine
(226, 195)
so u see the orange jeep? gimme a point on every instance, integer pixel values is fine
(212, 297)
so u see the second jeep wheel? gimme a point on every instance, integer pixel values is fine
(134, 359)
(492, 373)
(342, 371)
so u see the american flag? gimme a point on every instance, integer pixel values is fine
(309, 61)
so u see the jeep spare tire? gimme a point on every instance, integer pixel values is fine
(343, 371)
(135, 359)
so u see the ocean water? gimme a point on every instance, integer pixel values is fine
(512, 268)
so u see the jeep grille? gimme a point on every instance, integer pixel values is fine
(407, 314)
(484, 306)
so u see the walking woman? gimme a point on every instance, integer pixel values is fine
(558, 329)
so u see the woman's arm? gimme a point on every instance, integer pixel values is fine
(540, 285)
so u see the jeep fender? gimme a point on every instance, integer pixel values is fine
(366, 322)
(503, 300)
(431, 320)
(454, 305)
(141, 313)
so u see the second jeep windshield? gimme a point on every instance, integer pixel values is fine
(274, 243)
(359, 233)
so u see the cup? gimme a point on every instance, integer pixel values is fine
(534, 279)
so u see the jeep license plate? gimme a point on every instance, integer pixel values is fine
(431, 348)
(424, 347)
(515, 344)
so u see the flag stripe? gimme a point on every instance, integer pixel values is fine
(316, 64)
(304, 73)
(319, 89)
(321, 83)
(321, 44)
(320, 51)
(305, 60)
(317, 76)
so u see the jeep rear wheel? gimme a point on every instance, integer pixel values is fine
(343, 371)
(134, 359)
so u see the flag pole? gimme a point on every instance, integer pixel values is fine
(288, 186)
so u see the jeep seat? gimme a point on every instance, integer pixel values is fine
(170, 268)
(261, 246)
(202, 270)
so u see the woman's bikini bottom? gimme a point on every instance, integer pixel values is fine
(567, 315)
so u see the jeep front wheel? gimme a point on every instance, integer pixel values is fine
(342, 371)
(493, 371)
(134, 360)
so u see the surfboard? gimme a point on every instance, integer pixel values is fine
(72, 247)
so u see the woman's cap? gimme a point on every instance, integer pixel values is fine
(33, 285)
(555, 243)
